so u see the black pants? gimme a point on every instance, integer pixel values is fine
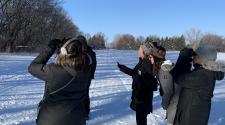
(141, 116)
(87, 100)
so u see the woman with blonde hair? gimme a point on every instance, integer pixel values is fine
(66, 83)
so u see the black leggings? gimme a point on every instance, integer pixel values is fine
(141, 116)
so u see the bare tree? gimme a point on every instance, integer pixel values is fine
(193, 37)
(97, 41)
(32, 23)
(140, 39)
(124, 41)
(214, 40)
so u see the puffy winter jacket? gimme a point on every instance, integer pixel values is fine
(65, 107)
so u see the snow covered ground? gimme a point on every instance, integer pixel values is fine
(110, 92)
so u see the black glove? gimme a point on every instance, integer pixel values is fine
(119, 65)
(54, 43)
(187, 52)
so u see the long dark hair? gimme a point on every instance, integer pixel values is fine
(157, 65)
(76, 57)
(157, 61)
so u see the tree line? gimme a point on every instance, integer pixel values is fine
(129, 42)
(96, 41)
(195, 38)
(28, 25)
(192, 38)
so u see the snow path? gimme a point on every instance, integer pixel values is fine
(110, 92)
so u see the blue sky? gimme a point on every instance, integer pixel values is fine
(147, 17)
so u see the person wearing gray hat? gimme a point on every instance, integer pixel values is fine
(197, 89)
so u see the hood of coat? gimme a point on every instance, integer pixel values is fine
(167, 65)
(215, 66)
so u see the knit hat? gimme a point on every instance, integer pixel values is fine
(150, 49)
(207, 53)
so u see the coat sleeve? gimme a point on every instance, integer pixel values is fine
(39, 67)
(94, 64)
(166, 82)
(219, 75)
(127, 70)
(189, 80)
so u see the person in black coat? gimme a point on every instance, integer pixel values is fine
(143, 85)
(93, 64)
(66, 83)
(197, 89)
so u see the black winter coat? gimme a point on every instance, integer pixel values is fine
(65, 107)
(92, 54)
(195, 98)
(142, 85)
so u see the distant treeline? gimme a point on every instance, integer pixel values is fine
(196, 38)
(192, 38)
(28, 25)
(129, 42)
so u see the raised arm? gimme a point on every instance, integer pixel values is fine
(38, 66)
(126, 70)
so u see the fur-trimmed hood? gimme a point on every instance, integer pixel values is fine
(167, 66)
(215, 66)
